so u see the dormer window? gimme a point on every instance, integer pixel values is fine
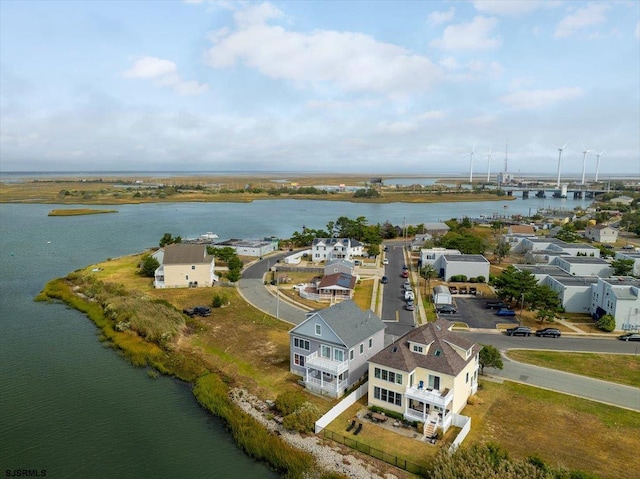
(437, 352)
(418, 349)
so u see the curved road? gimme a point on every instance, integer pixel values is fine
(253, 290)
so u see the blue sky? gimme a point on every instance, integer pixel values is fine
(320, 86)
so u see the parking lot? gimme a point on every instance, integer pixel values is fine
(472, 311)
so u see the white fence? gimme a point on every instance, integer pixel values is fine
(341, 407)
(465, 423)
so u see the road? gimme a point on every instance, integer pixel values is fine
(398, 320)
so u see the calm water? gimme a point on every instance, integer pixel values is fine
(75, 408)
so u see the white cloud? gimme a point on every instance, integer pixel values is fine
(592, 14)
(151, 67)
(164, 73)
(432, 115)
(438, 18)
(475, 35)
(352, 61)
(450, 63)
(397, 128)
(539, 99)
(510, 7)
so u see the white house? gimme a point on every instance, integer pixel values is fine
(431, 255)
(635, 256)
(601, 233)
(574, 291)
(469, 265)
(255, 248)
(584, 266)
(324, 249)
(619, 297)
(427, 375)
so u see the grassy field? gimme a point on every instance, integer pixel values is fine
(564, 431)
(622, 369)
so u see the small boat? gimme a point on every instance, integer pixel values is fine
(209, 235)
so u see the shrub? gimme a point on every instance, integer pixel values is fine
(302, 419)
(219, 300)
(288, 402)
(607, 323)
(481, 279)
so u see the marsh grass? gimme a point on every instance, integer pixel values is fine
(622, 369)
(79, 212)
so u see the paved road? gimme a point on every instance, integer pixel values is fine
(398, 320)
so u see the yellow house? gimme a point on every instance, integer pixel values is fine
(185, 266)
(426, 375)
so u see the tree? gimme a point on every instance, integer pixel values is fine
(428, 272)
(502, 250)
(622, 267)
(607, 323)
(512, 284)
(168, 239)
(148, 266)
(490, 357)
(568, 234)
(544, 297)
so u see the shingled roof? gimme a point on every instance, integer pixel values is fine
(437, 337)
(186, 254)
(338, 281)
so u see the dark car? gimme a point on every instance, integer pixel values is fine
(519, 331)
(405, 273)
(552, 332)
(463, 290)
(189, 312)
(630, 337)
(384, 280)
(202, 310)
(473, 290)
(453, 289)
(447, 309)
(505, 312)
(495, 305)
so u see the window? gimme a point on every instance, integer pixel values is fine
(361, 348)
(387, 375)
(466, 379)
(301, 344)
(387, 396)
(325, 351)
(418, 349)
(370, 343)
(338, 355)
(351, 355)
(437, 352)
(434, 382)
(319, 329)
(298, 359)
(193, 267)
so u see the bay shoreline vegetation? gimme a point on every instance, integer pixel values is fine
(79, 212)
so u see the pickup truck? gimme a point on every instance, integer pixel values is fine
(495, 305)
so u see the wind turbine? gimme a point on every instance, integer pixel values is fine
(559, 161)
(471, 165)
(584, 160)
(598, 163)
(489, 164)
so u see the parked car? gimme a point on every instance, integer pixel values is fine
(408, 295)
(384, 280)
(189, 312)
(630, 337)
(406, 284)
(357, 262)
(495, 305)
(553, 332)
(473, 290)
(300, 286)
(463, 290)
(447, 309)
(505, 312)
(405, 273)
(385, 261)
(519, 331)
(202, 310)
(386, 248)
(453, 289)
(410, 306)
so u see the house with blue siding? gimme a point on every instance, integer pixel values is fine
(330, 348)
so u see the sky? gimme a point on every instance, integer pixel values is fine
(389, 87)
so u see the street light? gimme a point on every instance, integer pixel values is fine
(521, 309)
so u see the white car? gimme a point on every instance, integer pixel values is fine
(408, 295)
(300, 286)
(385, 261)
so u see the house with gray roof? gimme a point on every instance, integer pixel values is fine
(601, 233)
(185, 266)
(541, 271)
(330, 348)
(574, 291)
(334, 266)
(326, 249)
(426, 375)
(336, 287)
(584, 266)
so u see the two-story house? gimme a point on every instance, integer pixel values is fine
(601, 233)
(330, 348)
(326, 249)
(185, 266)
(427, 375)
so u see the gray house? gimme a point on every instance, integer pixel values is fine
(339, 266)
(584, 266)
(330, 348)
(469, 265)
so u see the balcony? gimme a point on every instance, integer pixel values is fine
(331, 387)
(434, 396)
(326, 365)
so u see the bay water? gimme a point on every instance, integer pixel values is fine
(74, 408)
